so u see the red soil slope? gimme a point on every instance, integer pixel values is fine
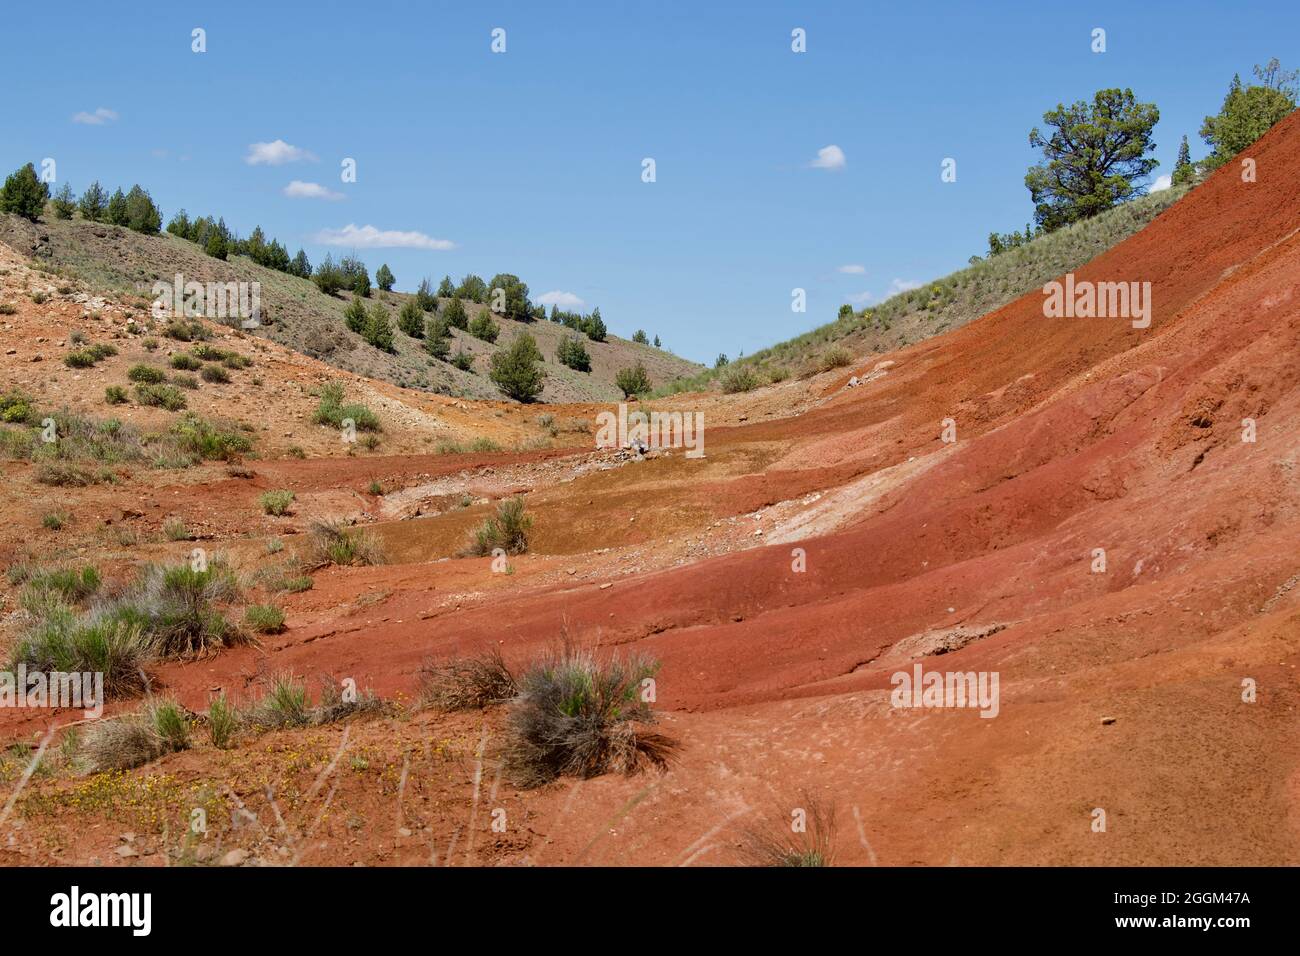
(1072, 435)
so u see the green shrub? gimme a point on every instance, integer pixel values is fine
(186, 331)
(463, 361)
(507, 529)
(185, 362)
(332, 411)
(60, 641)
(633, 381)
(739, 378)
(264, 618)
(146, 374)
(202, 440)
(223, 722)
(187, 382)
(214, 373)
(482, 327)
(331, 542)
(175, 607)
(835, 358)
(54, 521)
(573, 353)
(174, 530)
(285, 705)
(276, 502)
(516, 370)
(79, 359)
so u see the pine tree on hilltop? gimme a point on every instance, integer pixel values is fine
(24, 194)
(94, 203)
(384, 278)
(1184, 171)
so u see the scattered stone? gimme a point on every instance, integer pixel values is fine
(1108, 720)
(234, 858)
(126, 852)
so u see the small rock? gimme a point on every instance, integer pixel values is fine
(1108, 720)
(607, 584)
(234, 858)
(38, 357)
(404, 831)
(203, 852)
(126, 852)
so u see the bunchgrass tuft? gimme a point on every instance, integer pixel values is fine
(575, 716)
(467, 683)
(507, 530)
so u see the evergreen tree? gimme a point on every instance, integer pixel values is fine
(180, 225)
(1247, 114)
(456, 315)
(424, 297)
(633, 381)
(94, 203)
(445, 289)
(354, 316)
(1094, 158)
(301, 266)
(216, 244)
(573, 353)
(118, 214)
(411, 319)
(657, 342)
(24, 194)
(65, 204)
(384, 278)
(379, 331)
(482, 327)
(473, 288)
(1184, 171)
(516, 370)
(141, 213)
(640, 337)
(437, 338)
(594, 326)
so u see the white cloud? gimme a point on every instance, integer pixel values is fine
(853, 269)
(902, 285)
(829, 157)
(98, 118)
(565, 300)
(301, 190)
(1161, 183)
(368, 237)
(276, 153)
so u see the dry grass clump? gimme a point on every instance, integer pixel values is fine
(332, 542)
(162, 727)
(467, 683)
(579, 717)
(804, 835)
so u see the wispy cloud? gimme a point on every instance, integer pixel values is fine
(98, 118)
(861, 298)
(853, 269)
(902, 285)
(565, 300)
(276, 153)
(368, 237)
(829, 157)
(1162, 183)
(301, 190)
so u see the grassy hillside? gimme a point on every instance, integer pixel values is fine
(946, 303)
(300, 316)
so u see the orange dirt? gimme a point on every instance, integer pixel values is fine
(1072, 435)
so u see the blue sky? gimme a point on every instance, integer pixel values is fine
(530, 161)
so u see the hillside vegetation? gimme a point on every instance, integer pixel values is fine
(297, 314)
(946, 303)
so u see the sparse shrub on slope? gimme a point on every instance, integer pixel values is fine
(507, 529)
(633, 381)
(332, 542)
(575, 716)
(774, 842)
(467, 683)
(517, 371)
(332, 411)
